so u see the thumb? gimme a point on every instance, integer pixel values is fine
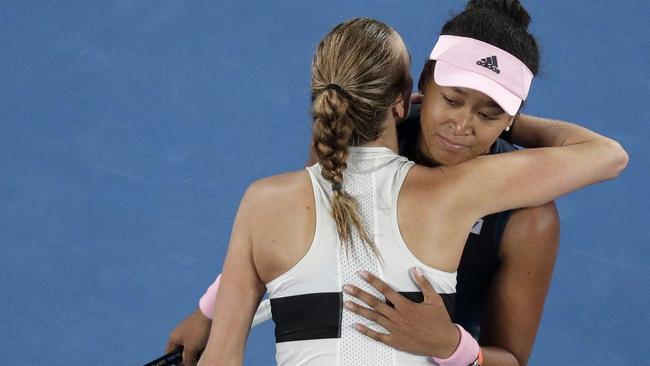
(189, 357)
(427, 290)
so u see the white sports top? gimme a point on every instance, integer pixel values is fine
(312, 328)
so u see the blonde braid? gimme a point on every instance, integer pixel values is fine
(333, 132)
(357, 75)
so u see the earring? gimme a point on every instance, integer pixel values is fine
(508, 129)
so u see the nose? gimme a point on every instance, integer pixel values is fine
(461, 121)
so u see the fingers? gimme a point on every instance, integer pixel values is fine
(379, 337)
(189, 357)
(381, 286)
(171, 346)
(369, 314)
(370, 300)
(428, 291)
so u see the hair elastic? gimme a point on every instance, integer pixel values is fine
(336, 187)
(333, 86)
(339, 89)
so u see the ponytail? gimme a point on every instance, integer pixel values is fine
(332, 134)
(357, 76)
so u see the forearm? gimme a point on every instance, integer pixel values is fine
(517, 292)
(531, 132)
(235, 305)
(229, 330)
(495, 356)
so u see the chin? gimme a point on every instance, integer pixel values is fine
(448, 159)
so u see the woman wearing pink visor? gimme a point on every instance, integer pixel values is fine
(469, 63)
(358, 97)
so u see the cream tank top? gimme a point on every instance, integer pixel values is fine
(311, 326)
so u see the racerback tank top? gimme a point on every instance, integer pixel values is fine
(312, 327)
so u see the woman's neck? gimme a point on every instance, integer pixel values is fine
(387, 139)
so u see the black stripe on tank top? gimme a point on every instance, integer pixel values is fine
(308, 316)
(319, 315)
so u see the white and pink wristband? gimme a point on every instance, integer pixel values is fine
(468, 352)
(206, 304)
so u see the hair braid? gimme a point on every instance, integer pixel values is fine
(333, 133)
(357, 75)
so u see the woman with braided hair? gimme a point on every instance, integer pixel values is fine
(303, 235)
(349, 107)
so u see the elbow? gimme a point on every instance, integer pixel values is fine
(618, 158)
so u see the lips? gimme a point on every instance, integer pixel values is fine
(450, 144)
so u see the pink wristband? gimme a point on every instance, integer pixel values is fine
(465, 354)
(206, 304)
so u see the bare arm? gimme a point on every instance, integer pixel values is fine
(239, 295)
(516, 295)
(530, 131)
(192, 333)
(535, 176)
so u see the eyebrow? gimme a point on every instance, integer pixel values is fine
(459, 90)
(491, 103)
(494, 105)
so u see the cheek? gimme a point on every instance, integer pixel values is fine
(486, 137)
(429, 117)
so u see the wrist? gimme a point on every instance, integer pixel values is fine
(449, 344)
(467, 353)
(201, 318)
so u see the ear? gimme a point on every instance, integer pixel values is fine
(401, 108)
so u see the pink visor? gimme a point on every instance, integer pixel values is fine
(470, 63)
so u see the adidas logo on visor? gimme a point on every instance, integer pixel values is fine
(490, 63)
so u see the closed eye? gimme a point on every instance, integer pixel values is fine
(449, 100)
(486, 117)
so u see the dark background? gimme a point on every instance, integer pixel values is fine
(129, 131)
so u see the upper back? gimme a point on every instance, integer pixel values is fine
(284, 222)
(306, 293)
(293, 212)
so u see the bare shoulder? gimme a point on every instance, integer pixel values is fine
(279, 188)
(278, 203)
(422, 179)
(283, 221)
(433, 184)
